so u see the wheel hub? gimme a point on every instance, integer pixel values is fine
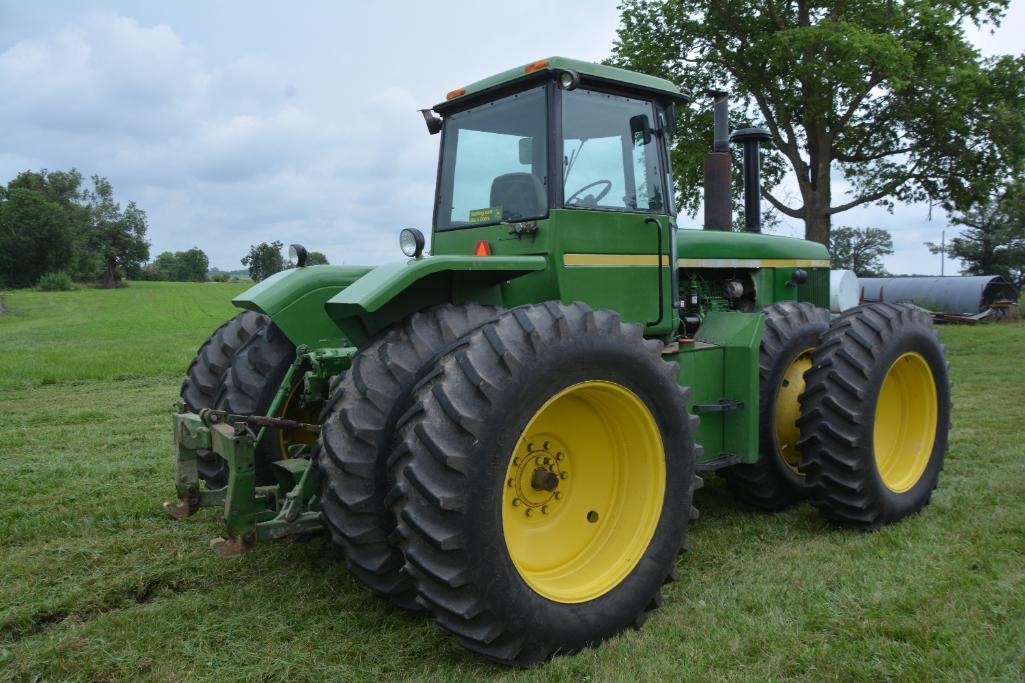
(538, 471)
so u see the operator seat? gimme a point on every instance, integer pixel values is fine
(521, 195)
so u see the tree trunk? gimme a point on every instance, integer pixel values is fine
(819, 196)
(109, 281)
(816, 227)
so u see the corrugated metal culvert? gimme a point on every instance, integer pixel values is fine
(961, 295)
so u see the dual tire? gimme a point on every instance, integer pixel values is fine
(854, 414)
(538, 491)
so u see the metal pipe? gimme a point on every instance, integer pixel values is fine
(751, 139)
(717, 167)
(721, 120)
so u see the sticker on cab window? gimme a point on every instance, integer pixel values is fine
(492, 214)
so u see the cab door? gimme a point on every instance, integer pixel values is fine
(612, 228)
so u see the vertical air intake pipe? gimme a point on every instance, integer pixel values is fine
(718, 185)
(752, 138)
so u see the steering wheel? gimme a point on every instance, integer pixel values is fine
(575, 197)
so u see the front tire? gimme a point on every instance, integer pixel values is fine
(548, 399)
(875, 416)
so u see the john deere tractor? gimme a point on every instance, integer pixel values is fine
(507, 431)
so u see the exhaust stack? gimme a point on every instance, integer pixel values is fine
(751, 139)
(718, 184)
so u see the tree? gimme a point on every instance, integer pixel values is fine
(192, 265)
(316, 258)
(166, 266)
(34, 237)
(993, 242)
(264, 260)
(182, 266)
(860, 250)
(117, 237)
(890, 96)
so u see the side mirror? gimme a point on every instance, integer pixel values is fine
(432, 120)
(526, 151)
(640, 127)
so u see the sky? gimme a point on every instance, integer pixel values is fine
(233, 123)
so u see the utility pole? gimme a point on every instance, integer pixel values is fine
(943, 250)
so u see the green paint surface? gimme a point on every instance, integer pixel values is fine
(295, 299)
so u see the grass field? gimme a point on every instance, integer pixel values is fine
(96, 583)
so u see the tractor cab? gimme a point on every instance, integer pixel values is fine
(568, 160)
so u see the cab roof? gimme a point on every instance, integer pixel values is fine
(588, 71)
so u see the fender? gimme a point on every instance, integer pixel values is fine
(294, 300)
(392, 291)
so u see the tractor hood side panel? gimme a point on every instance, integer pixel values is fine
(294, 299)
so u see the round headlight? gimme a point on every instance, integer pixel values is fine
(297, 255)
(411, 241)
(569, 80)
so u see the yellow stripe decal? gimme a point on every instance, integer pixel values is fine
(751, 263)
(613, 260)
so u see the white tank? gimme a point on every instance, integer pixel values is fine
(844, 290)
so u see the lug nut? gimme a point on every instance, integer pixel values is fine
(516, 501)
(559, 456)
(528, 512)
(544, 509)
(564, 475)
(530, 447)
(547, 460)
(516, 461)
(548, 444)
(510, 483)
(558, 495)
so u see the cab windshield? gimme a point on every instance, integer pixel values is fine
(494, 163)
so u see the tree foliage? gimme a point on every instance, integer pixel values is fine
(316, 258)
(263, 260)
(180, 266)
(860, 249)
(993, 241)
(34, 238)
(890, 96)
(116, 236)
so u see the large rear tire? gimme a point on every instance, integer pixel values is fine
(792, 331)
(359, 431)
(875, 416)
(543, 482)
(205, 376)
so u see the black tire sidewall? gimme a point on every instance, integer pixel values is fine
(545, 621)
(919, 339)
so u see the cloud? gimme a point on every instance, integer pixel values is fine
(220, 155)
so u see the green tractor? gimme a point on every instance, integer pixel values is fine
(508, 432)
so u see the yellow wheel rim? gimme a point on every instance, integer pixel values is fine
(583, 491)
(905, 422)
(788, 409)
(292, 410)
